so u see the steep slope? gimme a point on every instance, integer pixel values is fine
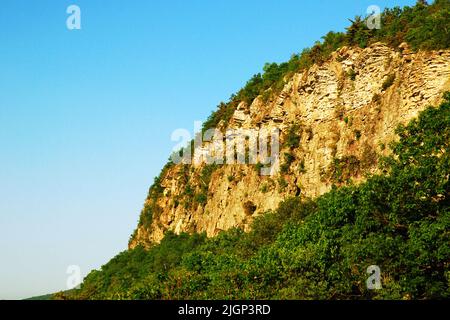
(343, 113)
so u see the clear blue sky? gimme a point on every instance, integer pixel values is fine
(86, 115)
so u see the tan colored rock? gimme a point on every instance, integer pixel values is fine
(339, 118)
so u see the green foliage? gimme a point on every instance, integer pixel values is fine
(206, 175)
(357, 134)
(120, 277)
(422, 26)
(351, 74)
(189, 190)
(302, 166)
(258, 167)
(146, 217)
(293, 137)
(151, 208)
(317, 249)
(369, 157)
(282, 184)
(344, 168)
(289, 158)
(224, 112)
(358, 34)
(156, 189)
(264, 188)
(201, 198)
(429, 26)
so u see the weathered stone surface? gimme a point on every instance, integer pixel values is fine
(338, 116)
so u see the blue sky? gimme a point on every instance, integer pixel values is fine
(86, 115)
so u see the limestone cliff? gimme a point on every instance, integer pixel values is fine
(345, 112)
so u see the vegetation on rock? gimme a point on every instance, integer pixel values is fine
(315, 249)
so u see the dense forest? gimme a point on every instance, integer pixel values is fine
(319, 248)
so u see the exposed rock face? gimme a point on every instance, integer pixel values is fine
(346, 110)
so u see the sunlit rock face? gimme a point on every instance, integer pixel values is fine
(345, 112)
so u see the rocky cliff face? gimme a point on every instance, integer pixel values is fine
(345, 112)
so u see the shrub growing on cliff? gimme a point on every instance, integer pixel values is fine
(289, 158)
(145, 219)
(344, 168)
(249, 208)
(318, 249)
(351, 74)
(224, 113)
(388, 82)
(206, 175)
(293, 137)
(201, 198)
